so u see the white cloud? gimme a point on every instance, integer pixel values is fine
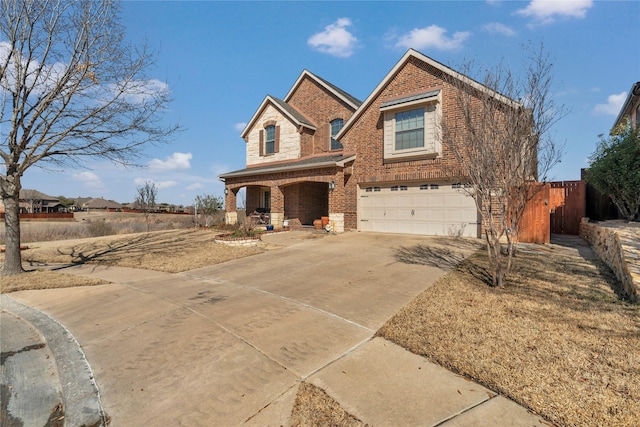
(432, 36)
(173, 162)
(159, 184)
(240, 126)
(613, 105)
(165, 184)
(194, 186)
(335, 40)
(497, 28)
(89, 179)
(544, 11)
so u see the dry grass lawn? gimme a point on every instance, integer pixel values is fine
(556, 340)
(169, 251)
(314, 407)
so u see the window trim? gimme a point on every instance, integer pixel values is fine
(431, 102)
(338, 145)
(267, 141)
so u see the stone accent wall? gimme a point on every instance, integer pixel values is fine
(289, 146)
(336, 221)
(231, 217)
(619, 248)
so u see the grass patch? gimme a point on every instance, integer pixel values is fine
(314, 407)
(557, 339)
(168, 251)
(44, 280)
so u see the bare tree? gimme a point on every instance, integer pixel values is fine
(502, 143)
(31, 198)
(208, 205)
(72, 89)
(146, 199)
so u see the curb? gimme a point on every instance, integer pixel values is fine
(81, 397)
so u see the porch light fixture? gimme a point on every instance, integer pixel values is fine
(332, 185)
(226, 191)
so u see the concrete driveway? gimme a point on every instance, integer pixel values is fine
(228, 344)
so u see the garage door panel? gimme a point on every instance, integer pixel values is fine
(435, 211)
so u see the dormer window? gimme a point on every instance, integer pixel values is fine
(270, 140)
(336, 126)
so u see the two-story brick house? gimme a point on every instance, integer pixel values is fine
(379, 165)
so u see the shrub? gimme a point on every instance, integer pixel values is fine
(99, 228)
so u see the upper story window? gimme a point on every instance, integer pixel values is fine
(336, 126)
(412, 127)
(270, 140)
(409, 129)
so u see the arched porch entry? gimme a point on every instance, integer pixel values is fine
(305, 190)
(306, 201)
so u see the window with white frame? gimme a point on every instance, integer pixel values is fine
(409, 129)
(412, 127)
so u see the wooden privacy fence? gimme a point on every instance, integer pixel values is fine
(53, 216)
(567, 201)
(534, 225)
(557, 207)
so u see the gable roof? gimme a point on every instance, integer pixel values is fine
(26, 194)
(632, 99)
(352, 101)
(99, 203)
(411, 53)
(294, 115)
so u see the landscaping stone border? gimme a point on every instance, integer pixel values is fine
(617, 243)
(229, 240)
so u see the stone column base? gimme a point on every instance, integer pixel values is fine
(276, 219)
(231, 218)
(336, 221)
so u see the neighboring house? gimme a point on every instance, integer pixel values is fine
(379, 165)
(631, 108)
(33, 201)
(99, 204)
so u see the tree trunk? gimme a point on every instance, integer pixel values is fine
(12, 256)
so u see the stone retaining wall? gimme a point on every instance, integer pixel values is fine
(619, 247)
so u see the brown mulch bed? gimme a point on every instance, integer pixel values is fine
(557, 339)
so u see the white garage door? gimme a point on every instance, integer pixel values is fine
(429, 209)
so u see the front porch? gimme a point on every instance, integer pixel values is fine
(291, 191)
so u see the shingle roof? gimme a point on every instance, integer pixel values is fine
(101, 204)
(291, 110)
(308, 163)
(355, 101)
(35, 195)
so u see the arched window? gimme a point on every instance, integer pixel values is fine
(336, 125)
(270, 140)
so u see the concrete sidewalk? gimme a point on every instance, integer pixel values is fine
(229, 344)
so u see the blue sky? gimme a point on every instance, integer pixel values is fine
(221, 59)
